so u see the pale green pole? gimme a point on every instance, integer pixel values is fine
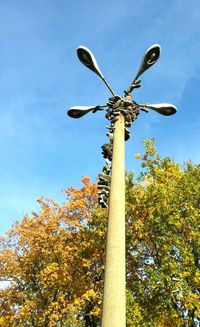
(114, 297)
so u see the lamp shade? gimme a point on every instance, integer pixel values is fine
(150, 57)
(80, 111)
(87, 58)
(165, 109)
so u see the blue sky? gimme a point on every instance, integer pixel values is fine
(42, 150)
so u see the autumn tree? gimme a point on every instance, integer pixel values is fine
(54, 259)
(163, 239)
(49, 259)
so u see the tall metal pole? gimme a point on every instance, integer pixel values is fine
(114, 297)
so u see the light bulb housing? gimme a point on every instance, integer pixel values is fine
(80, 111)
(166, 109)
(150, 57)
(87, 58)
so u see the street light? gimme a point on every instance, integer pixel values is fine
(150, 57)
(80, 111)
(165, 109)
(87, 58)
(121, 112)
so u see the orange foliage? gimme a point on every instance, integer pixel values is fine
(49, 259)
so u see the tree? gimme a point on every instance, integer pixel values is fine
(45, 258)
(163, 241)
(54, 260)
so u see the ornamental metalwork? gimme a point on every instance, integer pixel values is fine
(115, 106)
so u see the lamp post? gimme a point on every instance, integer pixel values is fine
(121, 112)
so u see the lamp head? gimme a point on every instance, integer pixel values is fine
(80, 111)
(165, 109)
(150, 57)
(87, 58)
